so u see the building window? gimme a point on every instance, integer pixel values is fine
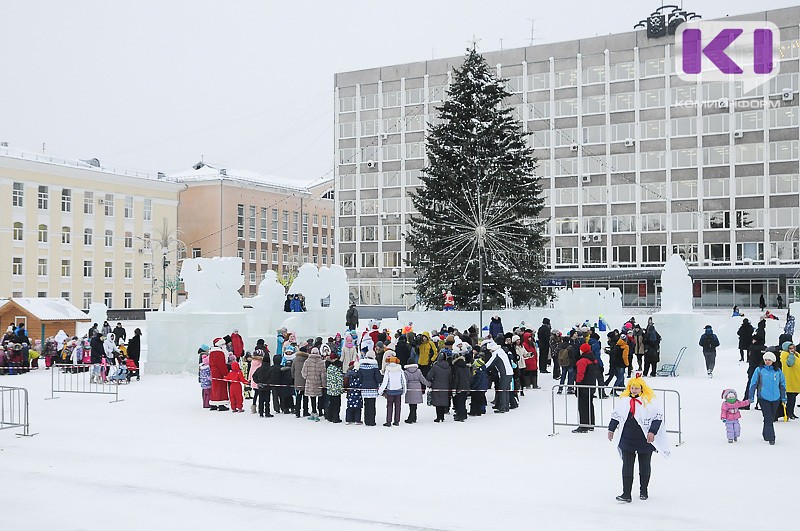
(65, 295)
(324, 258)
(128, 269)
(240, 221)
(148, 211)
(197, 252)
(654, 254)
(295, 227)
(275, 224)
(66, 235)
(87, 236)
(87, 268)
(252, 223)
(108, 206)
(147, 270)
(252, 255)
(240, 253)
(274, 257)
(42, 268)
(146, 241)
(41, 294)
(87, 299)
(18, 195)
(146, 301)
(128, 207)
(263, 224)
(66, 200)
(718, 252)
(285, 226)
(687, 251)
(624, 254)
(16, 266)
(109, 238)
(44, 198)
(128, 300)
(347, 259)
(42, 233)
(88, 203)
(128, 240)
(369, 259)
(324, 221)
(107, 299)
(17, 231)
(314, 240)
(66, 268)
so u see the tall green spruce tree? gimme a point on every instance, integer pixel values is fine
(479, 197)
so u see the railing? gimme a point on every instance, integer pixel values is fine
(14, 410)
(84, 379)
(670, 399)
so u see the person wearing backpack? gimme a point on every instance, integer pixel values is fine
(586, 378)
(771, 386)
(564, 360)
(709, 341)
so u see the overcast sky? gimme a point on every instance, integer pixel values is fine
(157, 84)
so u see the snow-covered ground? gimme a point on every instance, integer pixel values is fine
(158, 460)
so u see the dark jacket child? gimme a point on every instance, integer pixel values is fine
(352, 382)
(261, 384)
(478, 385)
(461, 385)
(280, 382)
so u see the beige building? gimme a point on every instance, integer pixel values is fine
(272, 223)
(81, 231)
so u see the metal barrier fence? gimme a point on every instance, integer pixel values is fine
(670, 399)
(84, 379)
(14, 410)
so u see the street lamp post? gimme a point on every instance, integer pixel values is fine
(164, 265)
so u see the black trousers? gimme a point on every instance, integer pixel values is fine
(586, 406)
(460, 405)
(477, 402)
(791, 400)
(263, 400)
(628, 459)
(286, 402)
(298, 402)
(441, 411)
(334, 408)
(369, 411)
(412, 413)
(650, 368)
(544, 359)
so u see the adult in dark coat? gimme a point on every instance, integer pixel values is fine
(587, 371)
(543, 335)
(440, 376)
(745, 334)
(135, 349)
(119, 333)
(351, 318)
(755, 356)
(652, 348)
(402, 350)
(761, 332)
(98, 352)
(496, 326)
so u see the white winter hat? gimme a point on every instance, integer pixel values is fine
(769, 356)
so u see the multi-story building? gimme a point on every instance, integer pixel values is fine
(81, 231)
(636, 165)
(271, 223)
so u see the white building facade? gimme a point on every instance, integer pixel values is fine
(636, 165)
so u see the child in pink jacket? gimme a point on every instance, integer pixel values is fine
(730, 413)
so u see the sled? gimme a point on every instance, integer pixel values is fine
(670, 369)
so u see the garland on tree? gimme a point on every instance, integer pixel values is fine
(479, 197)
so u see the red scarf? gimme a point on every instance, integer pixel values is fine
(634, 401)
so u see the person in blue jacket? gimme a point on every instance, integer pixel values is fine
(597, 350)
(771, 387)
(709, 341)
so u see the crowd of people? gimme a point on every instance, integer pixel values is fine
(106, 353)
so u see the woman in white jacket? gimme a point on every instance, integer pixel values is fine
(393, 387)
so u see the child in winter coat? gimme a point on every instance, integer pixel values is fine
(730, 413)
(205, 381)
(236, 379)
(393, 387)
(352, 382)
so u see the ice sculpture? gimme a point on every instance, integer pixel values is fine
(212, 285)
(271, 293)
(676, 286)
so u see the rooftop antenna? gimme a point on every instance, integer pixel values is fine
(533, 30)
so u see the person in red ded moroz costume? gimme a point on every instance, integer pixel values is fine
(217, 358)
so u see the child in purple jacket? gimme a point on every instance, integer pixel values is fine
(730, 413)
